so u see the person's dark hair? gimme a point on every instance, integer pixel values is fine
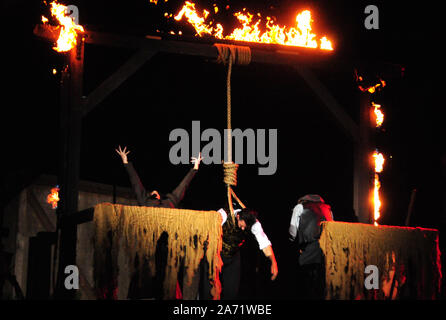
(249, 216)
(311, 198)
(153, 197)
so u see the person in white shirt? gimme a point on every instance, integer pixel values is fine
(233, 238)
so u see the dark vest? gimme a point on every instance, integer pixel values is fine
(233, 237)
(309, 231)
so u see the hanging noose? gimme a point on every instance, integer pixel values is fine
(229, 54)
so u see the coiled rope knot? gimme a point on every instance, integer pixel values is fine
(233, 54)
(230, 173)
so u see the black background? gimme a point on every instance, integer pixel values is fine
(170, 91)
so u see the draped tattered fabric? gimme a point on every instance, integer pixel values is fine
(408, 261)
(134, 231)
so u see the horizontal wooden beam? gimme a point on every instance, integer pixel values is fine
(89, 186)
(260, 53)
(79, 217)
(147, 46)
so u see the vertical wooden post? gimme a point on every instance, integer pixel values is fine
(363, 173)
(70, 143)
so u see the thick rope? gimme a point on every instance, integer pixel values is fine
(229, 54)
(239, 54)
(229, 109)
(238, 200)
(230, 173)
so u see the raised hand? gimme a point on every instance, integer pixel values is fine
(123, 153)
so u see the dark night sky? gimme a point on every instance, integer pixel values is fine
(170, 91)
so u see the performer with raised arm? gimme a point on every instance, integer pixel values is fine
(154, 199)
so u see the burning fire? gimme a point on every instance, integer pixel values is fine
(379, 161)
(373, 88)
(53, 197)
(378, 114)
(300, 35)
(379, 165)
(376, 200)
(68, 29)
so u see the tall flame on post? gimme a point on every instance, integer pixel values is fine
(379, 115)
(379, 165)
(68, 28)
(378, 157)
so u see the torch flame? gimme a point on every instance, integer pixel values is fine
(379, 161)
(53, 197)
(372, 89)
(300, 35)
(379, 165)
(378, 114)
(376, 200)
(68, 29)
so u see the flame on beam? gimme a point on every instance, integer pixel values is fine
(300, 34)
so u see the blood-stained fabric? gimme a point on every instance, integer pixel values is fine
(407, 259)
(134, 231)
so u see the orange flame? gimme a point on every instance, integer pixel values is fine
(372, 89)
(378, 115)
(68, 29)
(300, 35)
(379, 161)
(379, 165)
(156, 1)
(53, 197)
(195, 19)
(376, 200)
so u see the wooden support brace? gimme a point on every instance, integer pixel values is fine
(115, 80)
(329, 102)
